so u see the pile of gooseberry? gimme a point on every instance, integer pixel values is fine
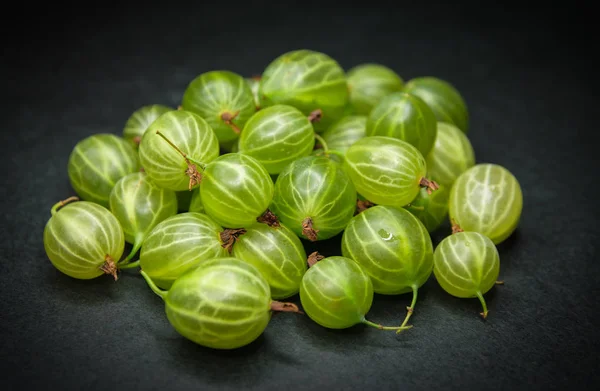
(219, 197)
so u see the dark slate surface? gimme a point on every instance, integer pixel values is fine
(529, 86)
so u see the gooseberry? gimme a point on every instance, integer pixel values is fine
(486, 198)
(140, 120)
(443, 98)
(393, 247)
(467, 265)
(369, 83)
(224, 304)
(308, 80)
(83, 239)
(386, 170)
(139, 205)
(406, 117)
(224, 99)
(97, 163)
(314, 197)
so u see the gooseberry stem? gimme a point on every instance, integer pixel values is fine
(228, 118)
(381, 327)
(323, 143)
(410, 310)
(153, 286)
(315, 115)
(62, 203)
(483, 314)
(129, 265)
(429, 184)
(285, 307)
(192, 170)
(109, 267)
(136, 246)
(185, 156)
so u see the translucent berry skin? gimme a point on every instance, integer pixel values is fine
(191, 134)
(79, 237)
(254, 86)
(406, 117)
(345, 132)
(178, 244)
(445, 100)
(279, 255)
(196, 202)
(225, 304)
(466, 263)
(487, 198)
(369, 84)
(336, 292)
(276, 136)
(307, 80)
(139, 121)
(316, 188)
(392, 246)
(139, 204)
(235, 190)
(213, 93)
(385, 170)
(451, 155)
(431, 209)
(97, 162)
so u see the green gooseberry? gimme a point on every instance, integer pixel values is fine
(487, 198)
(180, 243)
(277, 252)
(314, 197)
(276, 136)
(235, 190)
(223, 304)
(311, 81)
(445, 100)
(83, 240)
(451, 155)
(386, 170)
(369, 83)
(393, 247)
(467, 265)
(97, 162)
(337, 293)
(406, 117)
(172, 168)
(139, 205)
(140, 120)
(430, 207)
(224, 99)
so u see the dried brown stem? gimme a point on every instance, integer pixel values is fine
(361, 206)
(230, 236)
(268, 218)
(308, 230)
(256, 77)
(137, 140)
(315, 115)
(228, 118)
(285, 307)
(456, 228)
(313, 258)
(499, 282)
(180, 107)
(109, 267)
(429, 184)
(192, 170)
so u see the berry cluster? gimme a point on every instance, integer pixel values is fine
(219, 197)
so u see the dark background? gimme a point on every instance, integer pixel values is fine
(528, 79)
